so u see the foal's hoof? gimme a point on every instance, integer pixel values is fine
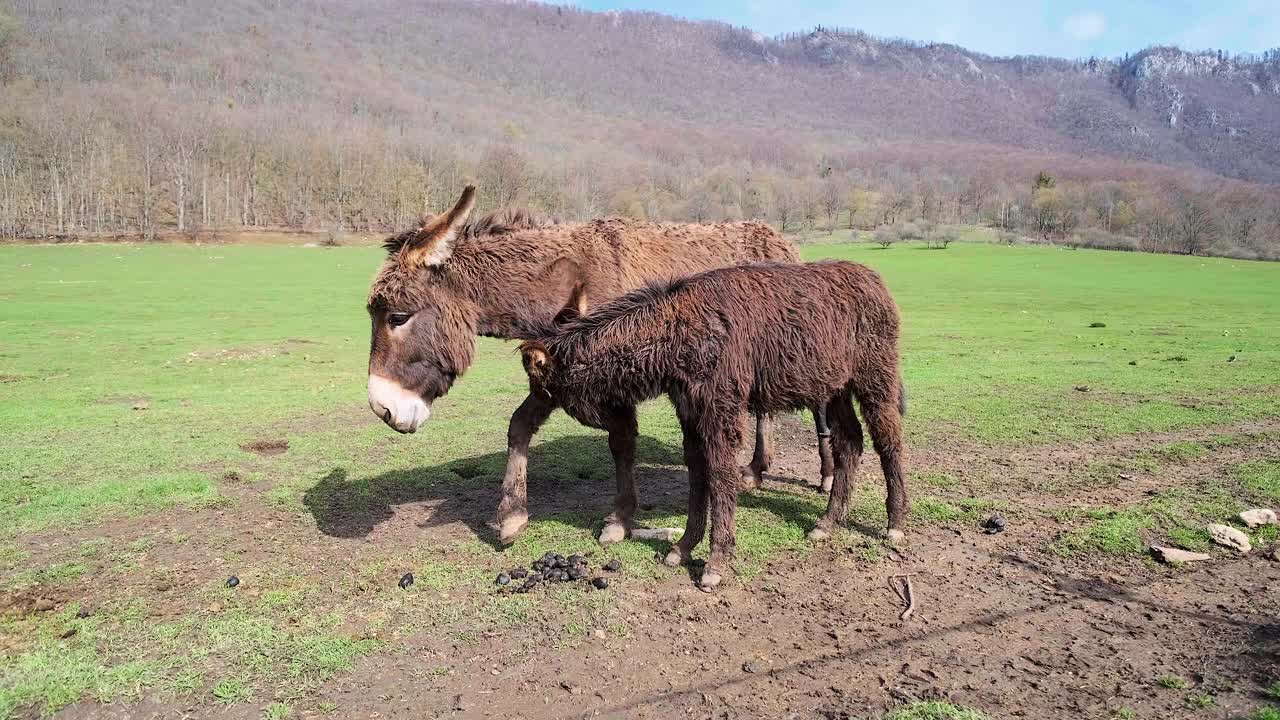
(675, 558)
(612, 533)
(710, 580)
(895, 537)
(818, 534)
(826, 482)
(511, 527)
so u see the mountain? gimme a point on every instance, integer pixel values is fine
(319, 88)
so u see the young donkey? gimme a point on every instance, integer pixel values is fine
(765, 338)
(452, 279)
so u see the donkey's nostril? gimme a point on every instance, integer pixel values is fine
(386, 415)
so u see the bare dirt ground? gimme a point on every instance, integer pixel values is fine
(1001, 625)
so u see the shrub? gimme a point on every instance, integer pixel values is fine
(884, 237)
(940, 238)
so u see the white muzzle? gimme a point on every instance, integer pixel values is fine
(404, 411)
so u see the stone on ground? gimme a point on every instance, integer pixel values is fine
(1230, 537)
(1176, 555)
(1258, 517)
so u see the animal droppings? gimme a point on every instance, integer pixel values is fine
(1097, 324)
(233, 581)
(518, 573)
(994, 524)
(503, 579)
(600, 583)
(551, 567)
(406, 580)
(613, 565)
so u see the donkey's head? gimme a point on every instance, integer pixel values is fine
(424, 327)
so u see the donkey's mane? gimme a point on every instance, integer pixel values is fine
(498, 222)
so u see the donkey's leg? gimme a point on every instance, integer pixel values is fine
(762, 457)
(622, 443)
(722, 486)
(847, 443)
(513, 513)
(824, 447)
(695, 527)
(882, 403)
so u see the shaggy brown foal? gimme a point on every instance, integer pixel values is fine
(761, 338)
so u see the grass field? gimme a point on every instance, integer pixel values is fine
(135, 378)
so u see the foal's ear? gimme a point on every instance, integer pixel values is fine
(433, 244)
(537, 361)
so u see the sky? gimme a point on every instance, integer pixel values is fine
(1066, 28)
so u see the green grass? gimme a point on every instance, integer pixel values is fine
(934, 711)
(1178, 515)
(1267, 713)
(1172, 682)
(133, 374)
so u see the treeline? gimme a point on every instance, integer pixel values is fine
(102, 175)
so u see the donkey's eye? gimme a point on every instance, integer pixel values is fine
(398, 319)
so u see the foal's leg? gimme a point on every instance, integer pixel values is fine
(824, 447)
(762, 457)
(882, 405)
(722, 486)
(696, 524)
(846, 435)
(622, 443)
(513, 513)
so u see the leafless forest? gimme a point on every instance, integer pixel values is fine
(139, 117)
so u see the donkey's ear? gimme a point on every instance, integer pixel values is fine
(575, 307)
(433, 244)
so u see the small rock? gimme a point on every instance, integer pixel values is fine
(1133, 362)
(406, 580)
(600, 583)
(144, 404)
(1230, 537)
(613, 565)
(1126, 476)
(43, 605)
(1082, 388)
(503, 579)
(1258, 517)
(1097, 324)
(749, 667)
(83, 613)
(233, 581)
(1275, 554)
(994, 524)
(1176, 555)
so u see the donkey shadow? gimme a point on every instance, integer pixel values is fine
(570, 479)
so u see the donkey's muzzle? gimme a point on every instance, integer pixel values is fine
(405, 411)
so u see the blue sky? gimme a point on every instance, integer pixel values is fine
(1067, 28)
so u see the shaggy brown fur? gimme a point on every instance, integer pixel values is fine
(506, 276)
(764, 338)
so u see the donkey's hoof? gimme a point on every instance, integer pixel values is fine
(511, 527)
(675, 558)
(895, 537)
(826, 482)
(710, 580)
(612, 533)
(818, 534)
(752, 479)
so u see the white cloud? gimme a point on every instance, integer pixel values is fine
(1085, 26)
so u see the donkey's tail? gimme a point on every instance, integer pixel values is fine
(902, 398)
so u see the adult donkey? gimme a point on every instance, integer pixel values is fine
(506, 275)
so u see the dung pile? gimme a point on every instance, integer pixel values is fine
(553, 567)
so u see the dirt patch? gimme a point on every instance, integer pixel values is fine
(11, 378)
(266, 447)
(137, 402)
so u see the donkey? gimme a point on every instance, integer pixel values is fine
(450, 280)
(767, 338)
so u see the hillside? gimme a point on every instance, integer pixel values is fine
(320, 112)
